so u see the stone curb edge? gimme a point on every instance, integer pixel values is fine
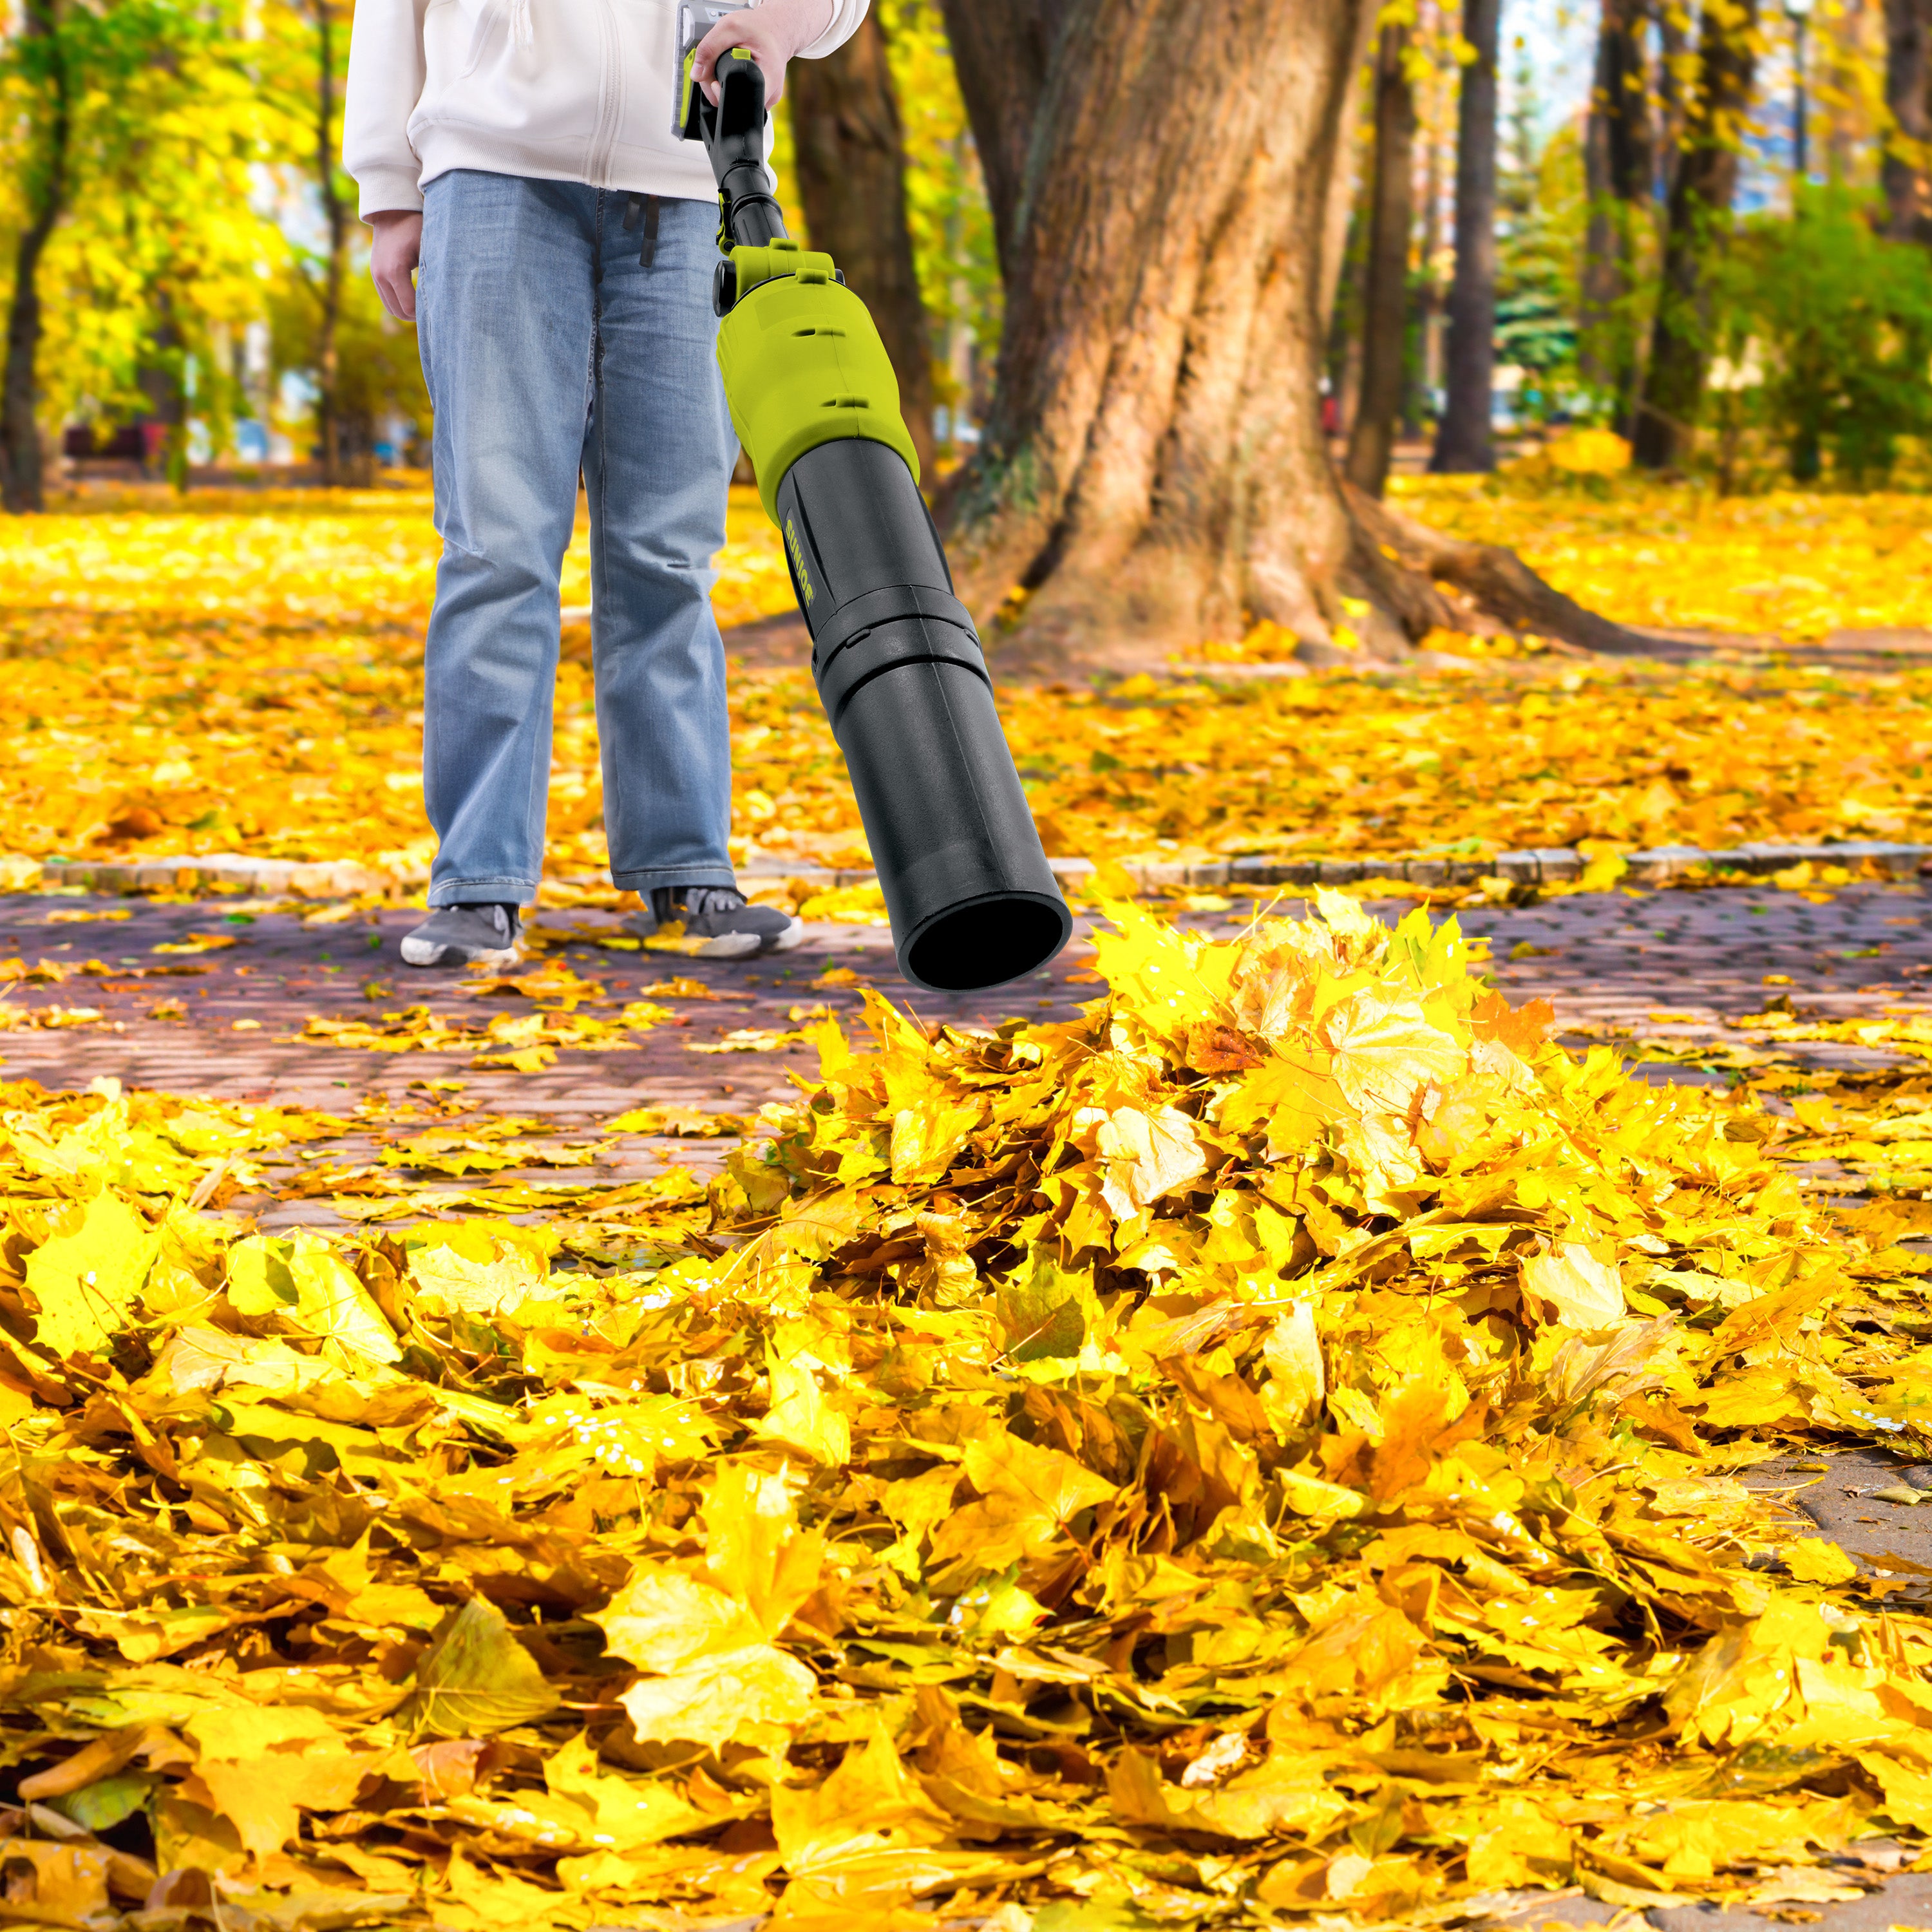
(1535, 866)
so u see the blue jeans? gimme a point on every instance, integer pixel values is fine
(548, 348)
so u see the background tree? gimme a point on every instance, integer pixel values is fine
(1385, 308)
(1676, 60)
(1153, 471)
(1620, 171)
(1436, 87)
(154, 253)
(1908, 146)
(41, 65)
(326, 276)
(1001, 51)
(1466, 440)
(378, 374)
(948, 214)
(848, 146)
(1539, 244)
(1702, 189)
(1840, 320)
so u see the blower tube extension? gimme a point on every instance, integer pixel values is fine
(897, 664)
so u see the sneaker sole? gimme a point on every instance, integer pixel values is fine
(746, 945)
(426, 952)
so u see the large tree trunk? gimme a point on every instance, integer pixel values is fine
(1152, 472)
(1700, 207)
(1466, 439)
(1002, 52)
(850, 151)
(1908, 72)
(329, 415)
(1619, 160)
(1385, 306)
(1153, 468)
(21, 487)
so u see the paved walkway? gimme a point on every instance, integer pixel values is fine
(1676, 963)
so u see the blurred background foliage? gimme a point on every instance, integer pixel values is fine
(170, 149)
(200, 303)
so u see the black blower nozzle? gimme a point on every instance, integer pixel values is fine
(898, 662)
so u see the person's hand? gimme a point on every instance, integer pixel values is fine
(393, 257)
(772, 33)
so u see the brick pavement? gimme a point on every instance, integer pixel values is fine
(1615, 961)
(1672, 961)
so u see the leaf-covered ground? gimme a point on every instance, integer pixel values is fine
(1268, 1446)
(242, 673)
(1791, 564)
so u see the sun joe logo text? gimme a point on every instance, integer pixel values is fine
(798, 562)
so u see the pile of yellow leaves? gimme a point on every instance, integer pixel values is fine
(1264, 1447)
(242, 673)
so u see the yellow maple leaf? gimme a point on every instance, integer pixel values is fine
(475, 1677)
(755, 1692)
(260, 1768)
(1579, 1290)
(1147, 1155)
(84, 1283)
(1819, 1560)
(870, 1804)
(299, 1280)
(1028, 1496)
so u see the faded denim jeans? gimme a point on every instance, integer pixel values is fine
(547, 347)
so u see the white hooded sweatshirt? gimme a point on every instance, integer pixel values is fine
(562, 90)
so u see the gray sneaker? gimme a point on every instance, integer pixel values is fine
(718, 915)
(466, 935)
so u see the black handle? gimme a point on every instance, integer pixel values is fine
(732, 129)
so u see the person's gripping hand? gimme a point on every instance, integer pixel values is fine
(772, 33)
(393, 257)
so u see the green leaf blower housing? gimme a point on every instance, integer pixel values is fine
(898, 663)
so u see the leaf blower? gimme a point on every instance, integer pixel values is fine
(898, 663)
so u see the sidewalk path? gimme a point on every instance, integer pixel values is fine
(1671, 962)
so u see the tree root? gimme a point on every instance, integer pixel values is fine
(1402, 566)
(1413, 581)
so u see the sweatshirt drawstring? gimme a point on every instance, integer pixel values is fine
(522, 33)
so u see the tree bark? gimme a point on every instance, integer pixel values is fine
(1002, 52)
(22, 488)
(159, 379)
(1153, 471)
(1497, 582)
(1385, 306)
(1673, 34)
(850, 151)
(1705, 183)
(1421, 398)
(1908, 74)
(1619, 165)
(328, 415)
(1340, 217)
(1466, 440)
(1153, 462)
